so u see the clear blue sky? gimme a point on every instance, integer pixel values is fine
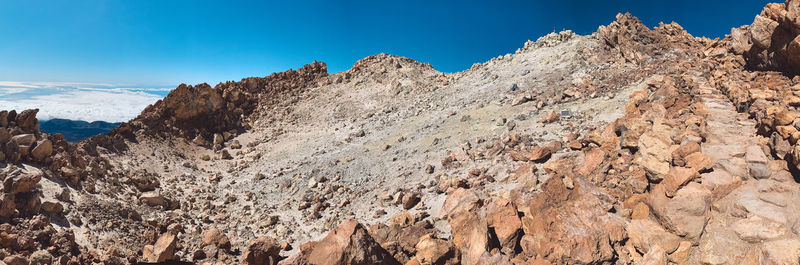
(163, 43)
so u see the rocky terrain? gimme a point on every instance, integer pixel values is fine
(627, 146)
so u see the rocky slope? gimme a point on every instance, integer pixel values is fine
(627, 146)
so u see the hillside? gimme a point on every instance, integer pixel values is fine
(73, 130)
(627, 146)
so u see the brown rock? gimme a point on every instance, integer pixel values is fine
(214, 236)
(687, 213)
(679, 155)
(261, 251)
(538, 154)
(503, 217)
(470, 235)
(551, 117)
(348, 243)
(460, 199)
(410, 200)
(431, 250)
(163, 250)
(16, 260)
(699, 161)
(27, 120)
(640, 211)
(557, 227)
(677, 177)
(592, 159)
(42, 150)
(22, 182)
(153, 198)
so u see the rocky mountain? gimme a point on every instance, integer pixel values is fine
(73, 130)
(627, 146)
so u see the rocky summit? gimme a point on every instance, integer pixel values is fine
(627, 146)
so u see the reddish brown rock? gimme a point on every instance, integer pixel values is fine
(568, 226)
(677, 177)
(592, 159)
(470, 235)
(215, 237)
(503, 217)
(261, 251)
(22, 182)
(431, 250)
(460, 199)
(348, 243)
(163, 250)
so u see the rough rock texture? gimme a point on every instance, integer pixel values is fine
(628, 146)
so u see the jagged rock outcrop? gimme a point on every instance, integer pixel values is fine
(771, 42)
(198, 113)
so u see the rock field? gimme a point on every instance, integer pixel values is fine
(627, 146)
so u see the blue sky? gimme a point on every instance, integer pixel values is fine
(160, 44)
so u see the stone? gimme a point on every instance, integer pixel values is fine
(27, 121)
(458, 200)
(538, 154)
(163, 250)
(502, 215)
(750, 202)
(348, 243)
(645, 234)
(640, 211)
(24, 139)
(687, 213)
(557, 230)
(699, 161)
(784, 117)
(153, 198)
(717, 249)
(261, 251)
(677, 177)
(759, 171)
(22, 182)
(41, 257)
(410, 200)
(719, 182)
(470, 235)
(783, 251)
(5, 136)
(684, 150)
(16, 260)
(681, 255)
(656, 256)
(431, 250)
(42, 150)
(656, 157)
(52, 207)
(213, 236)
(218, 139)
(761, 31)
(756, 229)
(591, 160)
(551, 117)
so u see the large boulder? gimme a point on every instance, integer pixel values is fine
(348, 243)
(572, 226)
(261, 251)
(687, 213)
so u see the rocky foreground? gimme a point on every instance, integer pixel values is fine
(627, 146)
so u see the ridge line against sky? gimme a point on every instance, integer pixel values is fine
(107, 60)
(165, 43)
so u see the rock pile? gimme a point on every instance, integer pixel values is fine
(21, 140)
(205, 115)
(771, 42)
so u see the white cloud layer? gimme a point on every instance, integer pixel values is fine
(78, 101)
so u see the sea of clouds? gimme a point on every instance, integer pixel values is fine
(78, 101)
